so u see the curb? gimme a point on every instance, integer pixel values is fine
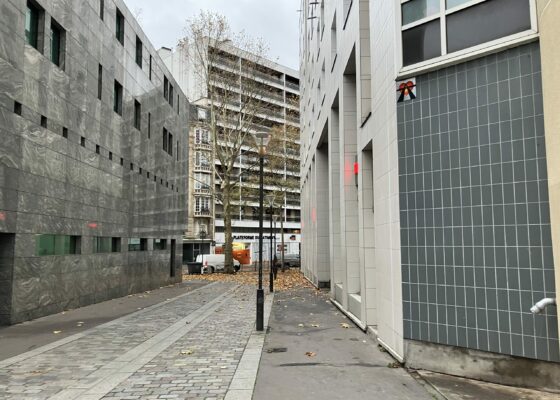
(242, 385)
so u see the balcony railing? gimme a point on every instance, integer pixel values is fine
(203, 146)
(292, 85)
(203, 168)
(205, 212)
(202, 190)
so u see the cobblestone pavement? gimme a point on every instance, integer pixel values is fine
(187, 347)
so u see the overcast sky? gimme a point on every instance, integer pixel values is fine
(276, 21)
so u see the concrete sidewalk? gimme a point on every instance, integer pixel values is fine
(313, 351)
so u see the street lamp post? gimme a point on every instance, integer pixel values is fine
(270, 200)
(275, 217)
(262, 139)
(202, 236)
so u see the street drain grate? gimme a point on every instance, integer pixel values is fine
(277, 350)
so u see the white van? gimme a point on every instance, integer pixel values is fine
(214, 262)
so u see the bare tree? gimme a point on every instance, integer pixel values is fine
(225, 80)
(281, 178)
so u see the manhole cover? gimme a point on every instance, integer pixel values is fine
(277, 350)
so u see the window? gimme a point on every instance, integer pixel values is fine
(164, 139)
(421, 43)
(50, 245)
(111, 155)
(118, 98)
(138, 52)
(347, 7)
(58, 43)
(140, 171)
(177, 104)
(165, 88)
(511, 19)
(44, 121)
(160, 244)
(97, 149)
(201, 181)
(149, 124)
(434, 28)
(333, 42)
(177, 150)
(122, 161)
(136, 244)
(202, 136)
(201, 159)
(137, 115)
(119, 31)
(106, 244)
(202, 205)
(132, 166)
(171, 94)
(418, 9)
(65, 132)
(101, 9)
(17, 107)
(33, 17)
(150, 71)
(83, 141)
(170, 144)
(99, 81)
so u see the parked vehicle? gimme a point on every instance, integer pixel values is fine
(290, 260)
(214, 262)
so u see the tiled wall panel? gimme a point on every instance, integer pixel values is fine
(475, 228)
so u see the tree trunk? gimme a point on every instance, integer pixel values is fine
(228, 245)
(282, 238)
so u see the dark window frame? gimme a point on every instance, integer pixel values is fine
(58, 44)
(137, 115)
(118, 98)
(119, 26)
(139, 50)
(99, 82)
(34, 25)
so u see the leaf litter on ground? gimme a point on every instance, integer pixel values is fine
(286, 281)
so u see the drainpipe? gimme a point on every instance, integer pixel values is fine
(542, 304)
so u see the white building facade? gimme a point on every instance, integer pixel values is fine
(281, 94)
(424, 178)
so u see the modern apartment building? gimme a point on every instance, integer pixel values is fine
(198, 238)
(280, 94)
(93, 157)
(429, 205)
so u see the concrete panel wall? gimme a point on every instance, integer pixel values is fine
(78, 185)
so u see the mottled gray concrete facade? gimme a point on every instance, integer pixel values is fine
(85, 170)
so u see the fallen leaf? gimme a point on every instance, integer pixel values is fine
(187, 352)
(57, 332)
(310, 354)
(315, 325)
(345, 325)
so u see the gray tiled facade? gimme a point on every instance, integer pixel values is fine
(475, 226)
(106, 178)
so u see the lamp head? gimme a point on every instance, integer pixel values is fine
(262, 139)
